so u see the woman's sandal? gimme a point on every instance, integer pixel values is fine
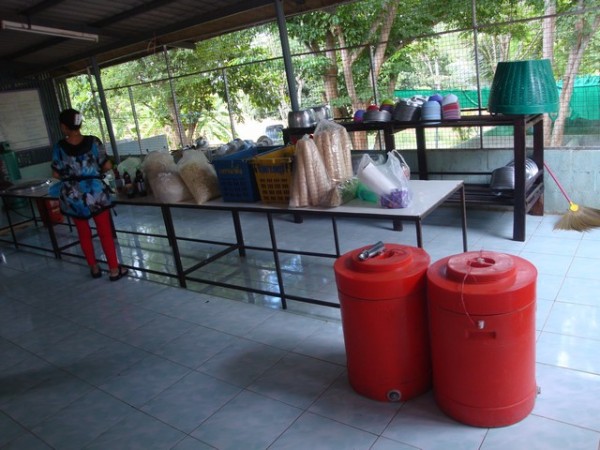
(96, 273)
(122, 272)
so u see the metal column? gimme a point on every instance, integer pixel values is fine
(287, 56)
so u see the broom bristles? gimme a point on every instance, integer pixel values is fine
(580, 219)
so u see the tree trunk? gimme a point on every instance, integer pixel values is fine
(549, 33)
(330, 82)
(173, 130)
(583, 34)
(359, 139)
(382, 29)
(384, 35)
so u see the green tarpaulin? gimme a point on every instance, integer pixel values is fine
(585, 101)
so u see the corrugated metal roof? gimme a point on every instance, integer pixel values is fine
(126, 28)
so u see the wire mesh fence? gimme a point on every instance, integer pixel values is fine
(236, 86)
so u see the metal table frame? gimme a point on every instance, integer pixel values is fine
(427, 196)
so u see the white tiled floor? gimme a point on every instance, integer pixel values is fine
(143, 364)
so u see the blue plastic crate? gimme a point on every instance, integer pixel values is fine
(236, 177)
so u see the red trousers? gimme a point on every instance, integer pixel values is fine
(104, 230)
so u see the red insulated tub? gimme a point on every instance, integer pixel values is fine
(384, 319)
(482, 322)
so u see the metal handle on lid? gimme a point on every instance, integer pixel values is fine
(372, 251)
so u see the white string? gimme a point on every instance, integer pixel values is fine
(462, 290)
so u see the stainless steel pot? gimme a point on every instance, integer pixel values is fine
(531, 168)
(303, 118)
(503, 178)
(377, 116)
(322, 112)
(406, 111)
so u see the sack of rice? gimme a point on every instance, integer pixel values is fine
(168, 187)
(199, 176)
(156, 162)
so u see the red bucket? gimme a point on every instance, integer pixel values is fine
(384, 319)
(482, 322)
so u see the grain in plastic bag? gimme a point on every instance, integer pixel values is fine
(199, 176)
(168, 187)
(154, 163)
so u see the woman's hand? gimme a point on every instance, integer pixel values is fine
(106, 166)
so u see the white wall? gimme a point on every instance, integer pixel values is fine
(578, 170)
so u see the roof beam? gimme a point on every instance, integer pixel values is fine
(146, 7)
(41, 6)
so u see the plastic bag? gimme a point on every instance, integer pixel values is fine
(388, 181)
(154, 163)
(129, 165)
(311, 185)
(390, 164)
(157, 162)
(168, 187)
(199, 176)
(335, 146)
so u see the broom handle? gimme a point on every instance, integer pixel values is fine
(557, 183)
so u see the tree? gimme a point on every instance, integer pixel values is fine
(579, 30)
(362, 37)
(202, 91)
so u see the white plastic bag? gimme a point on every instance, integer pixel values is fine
(390, 164)
(199, 176)
(154, 163)
(311, 185)
(388, 181)
(168, 187)
(130, 165)
(335, 146)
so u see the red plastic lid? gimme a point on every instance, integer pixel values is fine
(480, 267)
(392, 258)
(482, 283)
(396, 272)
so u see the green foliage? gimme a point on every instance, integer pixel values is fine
(242, 73)
(200, 90)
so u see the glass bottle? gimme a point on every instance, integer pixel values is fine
(140, 184)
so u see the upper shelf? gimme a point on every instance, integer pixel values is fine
(393, 126)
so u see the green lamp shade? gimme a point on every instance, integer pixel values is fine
(523, 87)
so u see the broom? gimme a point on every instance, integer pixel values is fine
(578, 218)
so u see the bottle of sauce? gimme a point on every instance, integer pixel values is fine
(128, 185)
(140, 184)
(119, 184)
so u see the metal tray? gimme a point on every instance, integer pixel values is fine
(29, 186)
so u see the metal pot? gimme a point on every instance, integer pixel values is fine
(303, 118)
(377, 116)
(531, 168)
(322, 112)
(503, 178)
(406, 111)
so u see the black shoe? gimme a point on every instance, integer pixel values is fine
(123, 271)
(96, 273)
